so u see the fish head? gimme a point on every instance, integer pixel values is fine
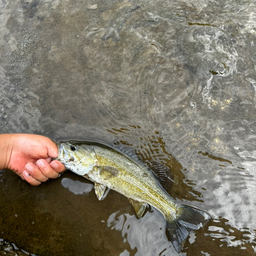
(77, 158)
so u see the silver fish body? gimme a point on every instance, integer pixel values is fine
(110, 169)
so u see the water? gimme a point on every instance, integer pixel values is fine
(174, 81)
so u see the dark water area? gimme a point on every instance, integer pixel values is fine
(173, 81)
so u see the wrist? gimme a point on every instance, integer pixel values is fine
(6, 147)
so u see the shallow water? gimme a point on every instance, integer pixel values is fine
(174, 81)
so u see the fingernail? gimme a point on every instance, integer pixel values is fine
(40, 163)
(29, 167)
(25, 173)
(54, 165)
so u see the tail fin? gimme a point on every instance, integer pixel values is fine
(188, 219)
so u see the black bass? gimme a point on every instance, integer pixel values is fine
(110, 169)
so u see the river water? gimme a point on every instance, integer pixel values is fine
(172, 81)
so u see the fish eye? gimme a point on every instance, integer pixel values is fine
(73, 148)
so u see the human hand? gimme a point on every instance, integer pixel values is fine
(31, 158)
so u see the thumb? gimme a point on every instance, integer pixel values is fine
(52, 149)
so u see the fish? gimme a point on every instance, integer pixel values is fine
(109, 168)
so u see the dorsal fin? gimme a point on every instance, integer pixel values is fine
(162, 173)
(127, 150)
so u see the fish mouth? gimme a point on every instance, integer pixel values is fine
(61, 152)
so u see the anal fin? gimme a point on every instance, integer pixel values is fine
(101, 191)
(139, 207)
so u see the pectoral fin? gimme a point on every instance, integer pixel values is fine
(101, 191)
(139, 207)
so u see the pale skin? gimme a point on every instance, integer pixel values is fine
(30, 156)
